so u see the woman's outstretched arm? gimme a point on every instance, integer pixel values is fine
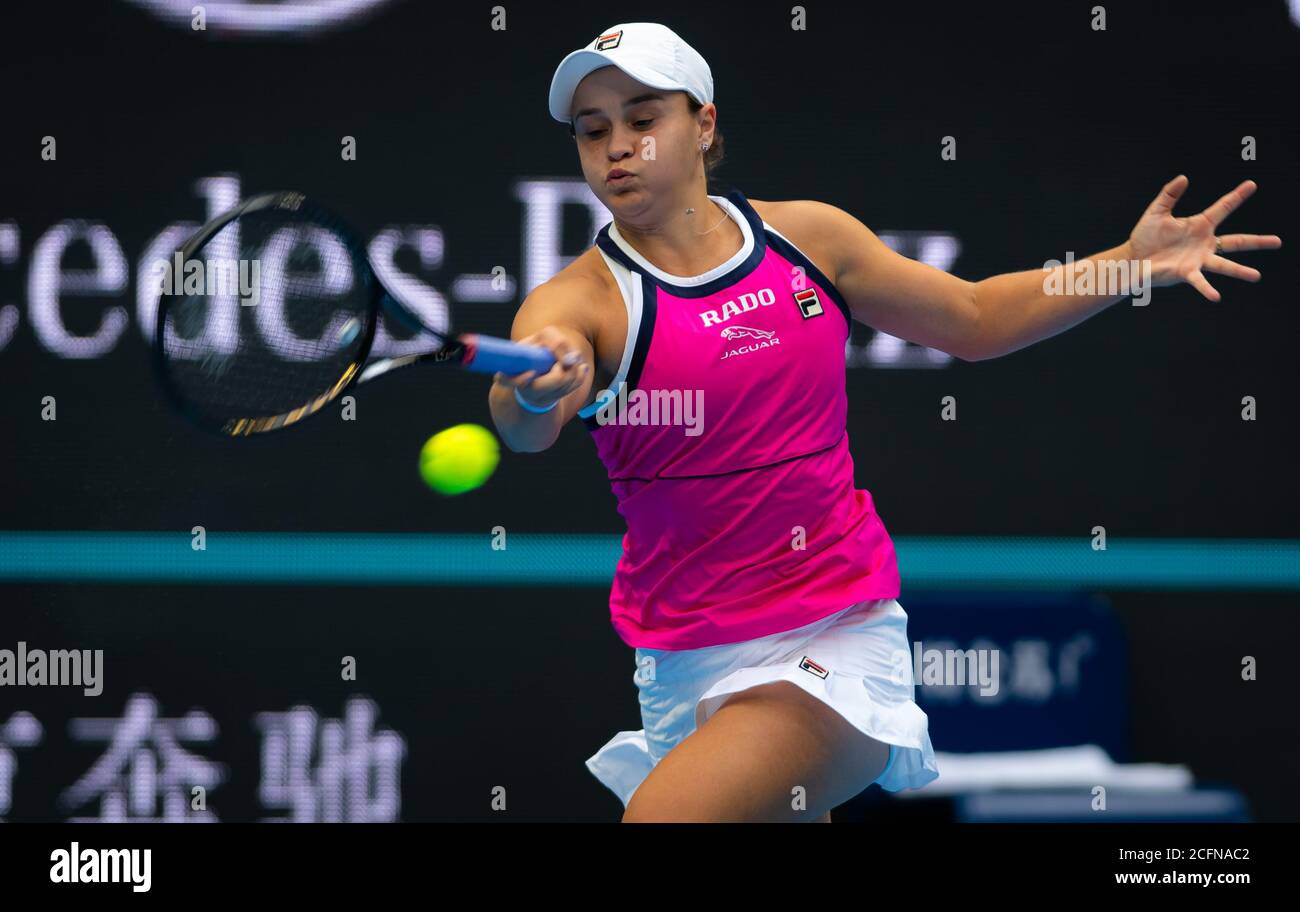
(995, 316)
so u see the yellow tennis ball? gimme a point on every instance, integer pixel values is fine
(459, 459)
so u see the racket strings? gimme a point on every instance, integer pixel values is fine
(270, 325)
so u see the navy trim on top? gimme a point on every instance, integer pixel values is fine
(739, 272)
(645, 333)
(787, 250)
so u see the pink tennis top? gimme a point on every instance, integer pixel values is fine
(724, 437)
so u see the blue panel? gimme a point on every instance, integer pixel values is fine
(1061, 664)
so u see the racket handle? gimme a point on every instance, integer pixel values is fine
(488, 354)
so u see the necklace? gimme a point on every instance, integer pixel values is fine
(715, 224)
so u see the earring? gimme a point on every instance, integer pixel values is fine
(704, 147)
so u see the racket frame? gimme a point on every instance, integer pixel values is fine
(358, 371)
(498, 354)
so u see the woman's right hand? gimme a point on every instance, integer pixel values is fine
(569, 372)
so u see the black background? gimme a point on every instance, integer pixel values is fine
(1064, 134)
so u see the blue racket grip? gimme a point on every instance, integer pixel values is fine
(488, 354)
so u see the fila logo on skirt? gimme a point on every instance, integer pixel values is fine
(809, 305)
(812, 667)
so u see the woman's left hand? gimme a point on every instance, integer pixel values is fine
(1179, 248)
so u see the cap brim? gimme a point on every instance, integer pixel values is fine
(574, 68)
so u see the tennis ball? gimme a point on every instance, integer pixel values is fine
(459, 459)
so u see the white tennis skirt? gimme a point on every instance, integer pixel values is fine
(858, 661)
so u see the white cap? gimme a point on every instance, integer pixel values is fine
(647, 51)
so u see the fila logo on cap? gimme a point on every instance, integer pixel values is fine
(605, 42)
(809, 665)
(809, 305)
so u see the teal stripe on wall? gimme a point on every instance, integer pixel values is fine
(536, 560)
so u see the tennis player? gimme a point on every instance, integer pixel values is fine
(757, 585)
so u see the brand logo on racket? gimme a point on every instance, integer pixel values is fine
(291, 201)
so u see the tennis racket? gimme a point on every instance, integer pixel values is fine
(268, 314)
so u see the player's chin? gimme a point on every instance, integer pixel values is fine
(617, 193)
(625, 188)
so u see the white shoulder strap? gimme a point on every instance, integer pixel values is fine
(629, 284)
